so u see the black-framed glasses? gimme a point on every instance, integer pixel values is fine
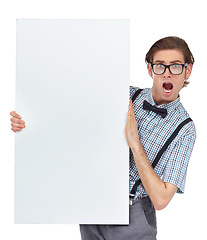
(175, 68)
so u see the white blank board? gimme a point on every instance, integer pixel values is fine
(72, 83)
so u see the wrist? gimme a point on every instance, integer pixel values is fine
(136, 148)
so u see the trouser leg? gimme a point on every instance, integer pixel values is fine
(94, 232)
(142, 225)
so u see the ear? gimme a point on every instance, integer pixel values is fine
(149, 68)
(189, 70)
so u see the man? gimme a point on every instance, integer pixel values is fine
(153, 117)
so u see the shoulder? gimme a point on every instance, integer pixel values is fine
(134, 89)
(189, 128)
(189, 131)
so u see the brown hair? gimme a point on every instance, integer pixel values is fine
(171, 43)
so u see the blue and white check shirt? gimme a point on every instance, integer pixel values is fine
(153, 132)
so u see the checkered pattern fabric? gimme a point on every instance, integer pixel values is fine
(153, 132)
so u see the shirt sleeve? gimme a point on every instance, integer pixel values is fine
(176, 169)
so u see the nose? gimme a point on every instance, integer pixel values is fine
(167, 73)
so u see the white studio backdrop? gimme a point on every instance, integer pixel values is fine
(72, 89)
(149, 21)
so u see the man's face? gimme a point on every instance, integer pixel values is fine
(167, 86)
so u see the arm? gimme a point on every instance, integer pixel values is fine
(159, 192)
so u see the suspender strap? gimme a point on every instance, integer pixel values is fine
(136, 94)
(162, 150)
(170, 139)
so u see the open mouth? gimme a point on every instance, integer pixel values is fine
(167, 87)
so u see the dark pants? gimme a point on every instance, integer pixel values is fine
(142, 225)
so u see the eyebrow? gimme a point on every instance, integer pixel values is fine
(171, 62)
(176, 61)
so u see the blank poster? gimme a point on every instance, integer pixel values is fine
(72, 90)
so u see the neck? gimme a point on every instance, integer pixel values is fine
(158, 99)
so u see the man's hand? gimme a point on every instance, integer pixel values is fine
(16, 122)
(131, 128)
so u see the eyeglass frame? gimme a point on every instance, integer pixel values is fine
(168, 66)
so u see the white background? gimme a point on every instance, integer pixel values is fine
(150, 20)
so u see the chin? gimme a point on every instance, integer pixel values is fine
(169, 96)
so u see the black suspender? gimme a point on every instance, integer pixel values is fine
(162, 150)
(136, 94)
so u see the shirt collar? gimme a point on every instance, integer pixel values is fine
(169, 106)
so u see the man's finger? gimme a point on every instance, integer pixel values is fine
(131, 108)
(16, 129)
(14, 114)
(16, 125)
(16, 120)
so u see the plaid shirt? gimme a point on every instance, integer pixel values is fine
(153, 132)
